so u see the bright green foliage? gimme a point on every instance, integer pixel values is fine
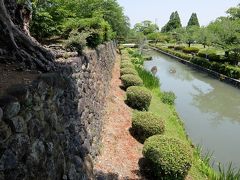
(138, 98)
(168, 98)
(149, 80)
(171, 158)
(193, 21)
(55, 17)
(146, 27)
(173, 23)
(126, 64)
(146, 124)
(124, 71)
(131, 80)
(76, 41)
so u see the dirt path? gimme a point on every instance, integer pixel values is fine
(120, 152)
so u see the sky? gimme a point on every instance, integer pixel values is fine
(159, 11)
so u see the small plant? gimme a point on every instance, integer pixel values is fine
(138, 98)
(179, 48)
(124, 71)
(131, 80)
(76, 41)
(146, 124)
(149, 80)
(170, 158)
(147, 58)
(168, 98)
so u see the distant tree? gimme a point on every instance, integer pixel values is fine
(173, 23)
(205, 37)
(146, 27)
(190, 35)
(234, 12)
(193, 21)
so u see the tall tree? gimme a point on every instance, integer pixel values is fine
(146, 27)
(173, 23)
(193, 21)
(15, 43)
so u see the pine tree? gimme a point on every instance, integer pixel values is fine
(193, 21)
(173, 23)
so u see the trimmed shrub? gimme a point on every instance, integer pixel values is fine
(127, 65)
(212, 56)
(170, 47)
(138, 98)
(146, 124)
(131, 80)
(128, 71)
(190, 50)
(170, 158)
(201, 62)
(168, 98)
(179, 48)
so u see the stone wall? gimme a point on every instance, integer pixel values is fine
(50, 129)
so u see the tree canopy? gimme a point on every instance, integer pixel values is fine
(173, 23)
(193, 21)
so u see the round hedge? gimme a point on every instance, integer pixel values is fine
(127, 65)
(146, 124)
(138, 98)
(170, 158)
(131, 80)
(128, 71)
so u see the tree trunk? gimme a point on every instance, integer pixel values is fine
(16, 44)
(189, 44)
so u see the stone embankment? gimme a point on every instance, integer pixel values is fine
(50, 129)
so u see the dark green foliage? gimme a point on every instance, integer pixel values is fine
(228, 70)
(171, 47)
(171, 159)
(128, 71)
(146, 124)
(138, 98)
(173, 23)
(131, 80)
(190, 50)
(168, 98)
(193, 21)
(179, 48)
(149, 80)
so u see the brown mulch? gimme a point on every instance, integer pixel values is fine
(120, 153)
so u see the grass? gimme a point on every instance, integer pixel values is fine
(201, 168)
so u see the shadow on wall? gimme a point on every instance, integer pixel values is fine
(50, 129)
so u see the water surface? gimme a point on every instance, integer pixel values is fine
(209, 108)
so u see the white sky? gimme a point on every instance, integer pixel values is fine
(159, 11)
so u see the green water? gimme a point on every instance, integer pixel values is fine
(209, 108)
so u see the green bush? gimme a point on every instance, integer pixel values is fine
(211, 55)
(170, 47)
(168, 98)
(138, 97)
(190, 50)
(171, 159)
(76, 41)
(128, 71)
(131, 80)
(126, 65)
(137, 60)
(201, 62)
(146, 124)
(179, 48)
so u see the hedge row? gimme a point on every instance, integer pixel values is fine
(170, 158)
(225, 69)
(175, 53)
(228, 70)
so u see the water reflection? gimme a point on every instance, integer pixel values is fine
(209, 108)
